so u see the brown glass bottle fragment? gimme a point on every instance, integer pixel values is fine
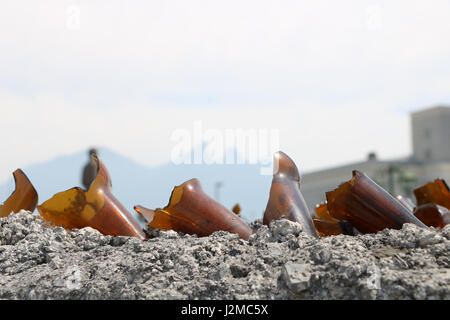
(285, 199)
(236, 208)
(97, 208)
(24, 197)
(436, 192)
(323, 214)
(433, 215)
(407, 202)
(327, 228)
(191, 210)
(326, 225)
(368, 207)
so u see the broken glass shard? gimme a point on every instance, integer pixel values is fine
(407, 202)
(326, 225)
(236, 209)
(436, 192)
(191, 210)
(323, 214)
(327, 228)
(24, 197)
(367, 206)
(433, 215)
(285, 199)
(97, 208)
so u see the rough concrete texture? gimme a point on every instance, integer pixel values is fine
(279, 262)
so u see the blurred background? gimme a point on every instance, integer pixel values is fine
(346, 84)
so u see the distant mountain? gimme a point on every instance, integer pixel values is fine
(152, 186)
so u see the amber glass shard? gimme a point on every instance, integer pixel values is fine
(24, 196)
(407, 202)
(436, 192)
(368, 207)
(323, 214)
(285, 199)
(236, 209)
(433, 215)
(191, 210)
(327, 228)
(96, 208)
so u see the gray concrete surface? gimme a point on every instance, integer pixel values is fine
(280, 262)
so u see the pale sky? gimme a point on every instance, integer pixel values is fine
(338, 79)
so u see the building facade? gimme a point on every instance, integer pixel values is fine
(430, 160)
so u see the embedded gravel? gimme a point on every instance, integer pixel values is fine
(278, 262)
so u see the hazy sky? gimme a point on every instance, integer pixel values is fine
(338, 79)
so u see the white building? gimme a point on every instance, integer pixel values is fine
(430, 160)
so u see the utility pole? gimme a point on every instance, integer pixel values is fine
(392, 170)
